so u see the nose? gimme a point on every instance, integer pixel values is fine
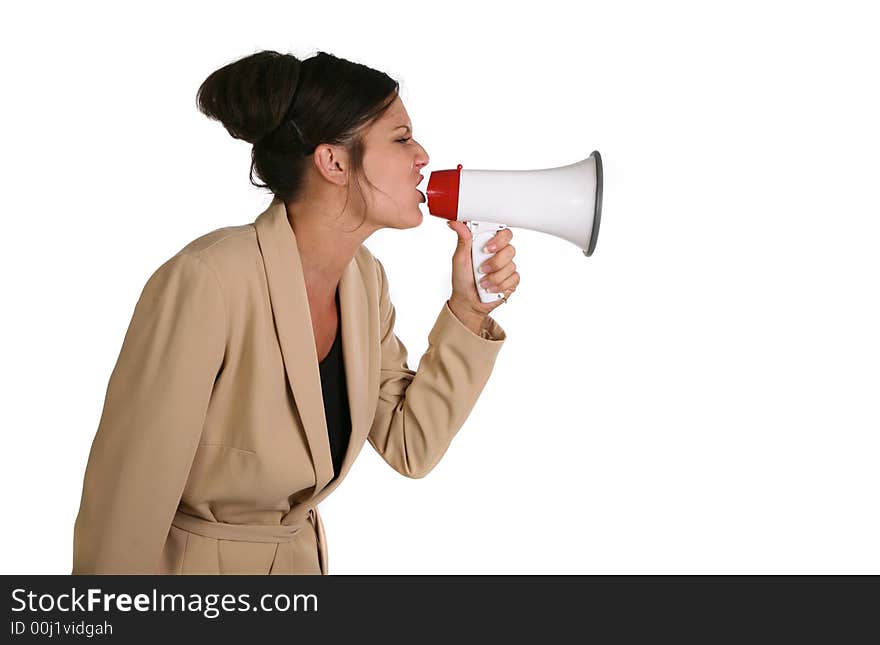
(424, 159)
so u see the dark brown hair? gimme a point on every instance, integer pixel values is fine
(331, 100)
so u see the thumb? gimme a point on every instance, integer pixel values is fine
(464, 235)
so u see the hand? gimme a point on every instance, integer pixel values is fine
(501, 271)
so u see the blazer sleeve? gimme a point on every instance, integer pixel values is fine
(152, 420)
(418, 413)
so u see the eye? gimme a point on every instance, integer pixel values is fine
(405, 140)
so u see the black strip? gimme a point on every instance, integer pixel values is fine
(598, 206)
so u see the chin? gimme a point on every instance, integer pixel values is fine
(411, 221)
(418, 219)
(405, 218)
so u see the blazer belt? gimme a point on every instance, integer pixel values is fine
(241, 532)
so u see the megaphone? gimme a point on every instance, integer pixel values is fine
(565, 202)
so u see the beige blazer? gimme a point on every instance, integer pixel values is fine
(212, 452)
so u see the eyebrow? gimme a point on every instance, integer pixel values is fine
(402, 126)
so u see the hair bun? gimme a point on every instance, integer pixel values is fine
(251, 96)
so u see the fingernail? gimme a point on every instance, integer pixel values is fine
(489, 248)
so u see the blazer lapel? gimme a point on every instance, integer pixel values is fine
(293, 325)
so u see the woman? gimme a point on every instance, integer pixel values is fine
(261, 357)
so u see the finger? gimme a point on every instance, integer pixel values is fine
(509, 285)
(499, 240)
(497, 278)
(502, 257)
(502, 237)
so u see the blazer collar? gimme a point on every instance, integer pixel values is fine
(293, 325)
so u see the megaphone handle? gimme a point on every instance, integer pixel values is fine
(482, 232)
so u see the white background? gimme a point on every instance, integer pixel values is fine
(699, 396)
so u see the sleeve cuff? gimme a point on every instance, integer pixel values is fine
(491, 337)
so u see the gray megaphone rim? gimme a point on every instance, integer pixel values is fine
(597, 210)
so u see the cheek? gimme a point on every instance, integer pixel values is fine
(393, 172)
(385, 171)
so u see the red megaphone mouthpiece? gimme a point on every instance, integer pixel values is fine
(443, 189)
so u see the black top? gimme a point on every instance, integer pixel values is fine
(336, 398)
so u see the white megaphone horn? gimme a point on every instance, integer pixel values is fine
(565, 202)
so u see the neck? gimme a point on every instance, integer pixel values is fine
(327, 244)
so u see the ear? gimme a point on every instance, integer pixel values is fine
(332, 162)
